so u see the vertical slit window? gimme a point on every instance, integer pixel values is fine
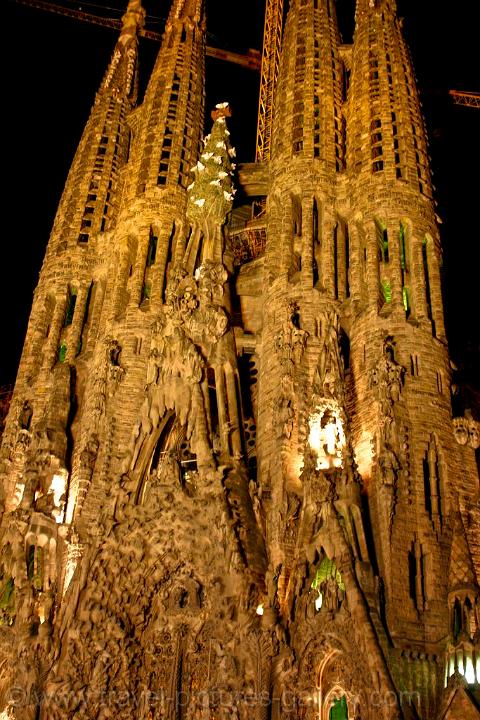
(426, 278)
(335, 260)
(62, 352)
(427, 486)
(70, 311)
(152, 249)
(387, 291)
(85, 319)
(382, 242)
(212, 395)
(412, 575)
(168, 260)
(347, 262)
(404, 269)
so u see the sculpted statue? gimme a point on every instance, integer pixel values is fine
(387, 377)
(89, 453)
(290, 341)
(284, 415)
(460, 430)
(25, 416)
(389, 467)
(329, 373)
(467, 430)
(473, 435)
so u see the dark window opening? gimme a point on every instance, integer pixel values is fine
(457, 618)
(212, 395)
(335, 260)
(347, 262)
(344, 344)
(412, 575)
(427, 486)
(152, 249)
(426, 277)
(70, 310)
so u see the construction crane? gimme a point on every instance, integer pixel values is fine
(251, 59)
(272, 41)
(470, 99)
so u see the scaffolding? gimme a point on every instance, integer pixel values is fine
(248, 240)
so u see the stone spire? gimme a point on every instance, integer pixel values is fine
(87, 208)
(121, 76)
(90, 199)
(171, 120)
(383, 102)
(308, 118)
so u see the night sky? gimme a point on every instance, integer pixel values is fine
(53, 65)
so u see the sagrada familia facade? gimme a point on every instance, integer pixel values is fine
(233, 485)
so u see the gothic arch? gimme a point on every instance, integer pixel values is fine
(165, 452)
(150, 445)
(331, 665)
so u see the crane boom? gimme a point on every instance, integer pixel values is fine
(250, 60)
(460, 97)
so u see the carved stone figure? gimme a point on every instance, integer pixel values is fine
(386, 378)
(284, 417)
(291, 339)
(25, 416)
(89, 454)
(460, 430)
(389, 467)
(473, 434)
(328, 377)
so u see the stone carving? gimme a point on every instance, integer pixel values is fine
(89, 454)
(115, 370)
(467, 431)
(25, 416)
(160, 613)
(175, 367)
(332, 594)
(328, 378)
(406, 462)
(460, 430)
(193, 302)
(389, 467)
(284, 412)
(290, 341)
(386, 379)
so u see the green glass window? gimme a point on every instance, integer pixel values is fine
(403, 248)
(339, 709)
(387, 291)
